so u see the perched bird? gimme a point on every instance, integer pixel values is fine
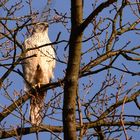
(38, 66)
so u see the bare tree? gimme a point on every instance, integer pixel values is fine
(96, 92)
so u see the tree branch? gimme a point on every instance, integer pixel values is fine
(101, 7)
(25, 97)
(119, 103)
(59, 129)
(72, 72)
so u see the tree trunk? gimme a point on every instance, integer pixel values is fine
(72, 73)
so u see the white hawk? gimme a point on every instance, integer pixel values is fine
(38, 66)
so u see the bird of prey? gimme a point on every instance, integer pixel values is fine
(38, 67)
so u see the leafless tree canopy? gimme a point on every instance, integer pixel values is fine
(95, 93)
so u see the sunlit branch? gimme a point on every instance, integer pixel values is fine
(59, 129)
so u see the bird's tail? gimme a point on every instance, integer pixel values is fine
(36, 108)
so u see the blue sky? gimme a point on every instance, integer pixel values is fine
(54, 29)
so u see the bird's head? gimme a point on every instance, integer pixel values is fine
(41, 27)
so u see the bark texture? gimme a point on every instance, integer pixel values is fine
(72, 73)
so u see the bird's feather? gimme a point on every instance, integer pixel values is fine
(38, 67)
